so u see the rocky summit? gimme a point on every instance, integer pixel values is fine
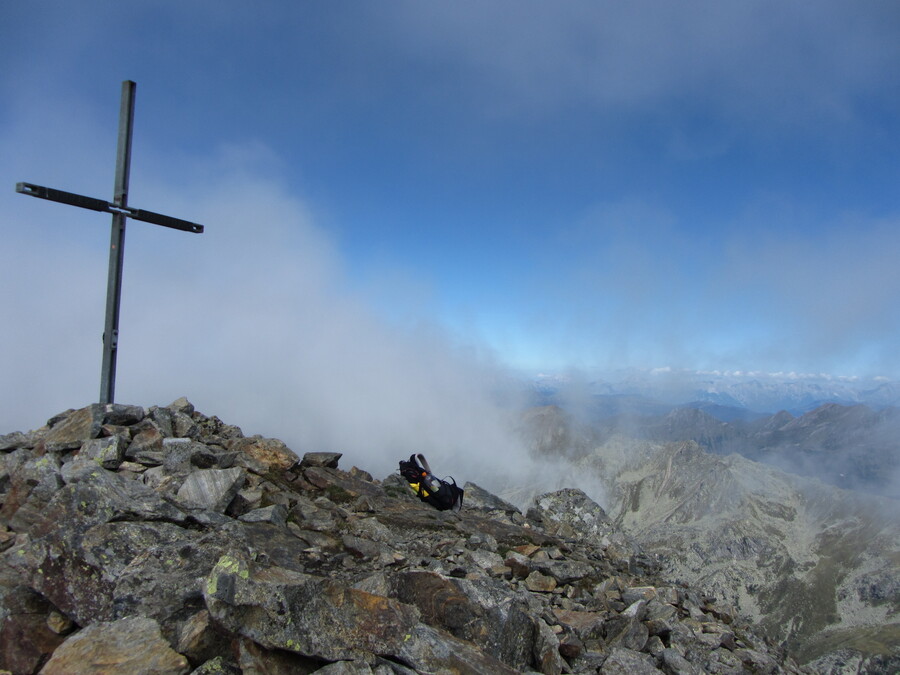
(162, 540)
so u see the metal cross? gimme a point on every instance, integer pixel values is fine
(120, 211)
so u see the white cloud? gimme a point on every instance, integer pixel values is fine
(254, 320)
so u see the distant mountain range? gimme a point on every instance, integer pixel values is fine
(852, 447)
(727, 396)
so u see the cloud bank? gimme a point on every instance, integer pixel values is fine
(254, 321)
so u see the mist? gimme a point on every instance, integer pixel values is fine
(256, 321)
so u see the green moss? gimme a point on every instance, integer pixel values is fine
(226, 565)
(338, 494)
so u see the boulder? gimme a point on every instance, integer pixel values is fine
(325, 459)
(74, 428)
(134, 645)
(623, 661)
(106, 452)
(270, 453)
(211, 489)
(317, 617)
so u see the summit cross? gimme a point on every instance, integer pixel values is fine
(120, 211)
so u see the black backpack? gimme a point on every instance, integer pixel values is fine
(440, 494)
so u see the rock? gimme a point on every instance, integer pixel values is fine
(479, 498)
(181, 405)
(546, 653)
(134, 645)
(627, 629)
(328, 460)
(539, 582)
(587, 625)
(676, 664)
(569, 512)
(211, 489)
(478, 610)
(567, 571)
(163, 420)
(269, 453)
(32, 486)
(520, 565)
(59, 623)
(199, 641)
(253, 658)
(316, 617)
(183, 426)
(147, 447)
(26, 640)
(106, 452)
(627, 662)
(14, 441)
(122, 415)
(218, 666)
(275, 514)
(632, 595)
(74, 429)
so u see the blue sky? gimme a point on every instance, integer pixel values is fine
(526, 185)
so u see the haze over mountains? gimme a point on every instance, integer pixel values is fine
(744, 392)
(845, 432)
(817, 566)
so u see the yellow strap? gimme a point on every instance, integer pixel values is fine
(417, 489)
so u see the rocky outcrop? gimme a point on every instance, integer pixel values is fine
(164, 541)
(814, 566)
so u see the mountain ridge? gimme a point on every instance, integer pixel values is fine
(806, 560)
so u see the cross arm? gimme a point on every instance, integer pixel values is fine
(165, 221)
(93, 204)
(62, 197)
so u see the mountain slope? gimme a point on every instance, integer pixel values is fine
(803, 559)
(164, 541)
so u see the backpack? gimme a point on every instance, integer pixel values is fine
(441, 494)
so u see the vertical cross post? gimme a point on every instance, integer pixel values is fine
(120, 213)
(117, 245)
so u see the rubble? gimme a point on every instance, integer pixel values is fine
(164, 541)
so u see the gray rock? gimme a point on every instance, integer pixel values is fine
(571, 512)
(627, 629)
(14, 441)
(26, 641)
(106, 452)
(211, 489)
(147, 447)
(316, 617)
(324, 459)
(163, 420)
(345, 668)
(567, 571)
(122, 415)
(545, 653)
(183, 426)
(275, 514)
(676, 664)
(34, 486)
(626, 662)
(482, 500)
(181, 405)
(478, 610)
